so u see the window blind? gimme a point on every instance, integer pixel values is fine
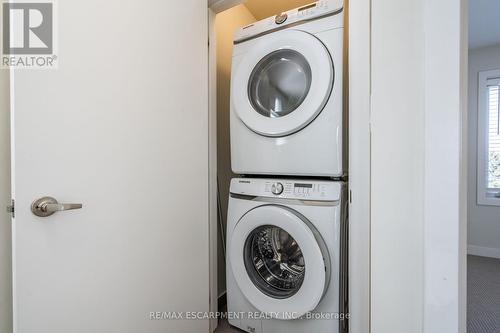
(493, 135)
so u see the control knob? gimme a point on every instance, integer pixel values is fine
(277, 188)
(280, 18)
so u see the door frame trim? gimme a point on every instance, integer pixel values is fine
(358, 64)
(212, 166)
(445, 182)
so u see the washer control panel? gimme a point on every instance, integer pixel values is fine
(287, 189)
(304, 13)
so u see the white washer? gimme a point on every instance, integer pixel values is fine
(285, 264)
(286, 94)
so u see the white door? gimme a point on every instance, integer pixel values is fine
(282, 83)
(120, 127)
(279, 261)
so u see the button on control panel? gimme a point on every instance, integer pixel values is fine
(305, 190)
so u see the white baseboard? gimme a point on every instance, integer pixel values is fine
(490, 252)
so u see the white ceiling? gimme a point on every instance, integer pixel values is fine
(261, 9)
(484, 23)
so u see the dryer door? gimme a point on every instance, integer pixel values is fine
(279, 261)
(282, 83)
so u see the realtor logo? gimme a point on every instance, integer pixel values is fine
(28, 34)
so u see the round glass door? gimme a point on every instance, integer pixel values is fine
(279, 261)
(279, 83)
(274, 261)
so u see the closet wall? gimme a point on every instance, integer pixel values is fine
(225, 24)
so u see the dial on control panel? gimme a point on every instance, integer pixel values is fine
(277, 188)
(280, 18)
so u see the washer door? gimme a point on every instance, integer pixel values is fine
(282, 83)
(279, 261)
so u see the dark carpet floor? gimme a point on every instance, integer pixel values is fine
(483, 295)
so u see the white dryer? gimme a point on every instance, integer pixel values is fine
(286, 94)
(285, 265)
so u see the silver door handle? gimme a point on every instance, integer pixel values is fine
(47, 206)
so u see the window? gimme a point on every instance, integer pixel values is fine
(488, 171)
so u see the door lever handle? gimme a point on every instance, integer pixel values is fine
(47, 206)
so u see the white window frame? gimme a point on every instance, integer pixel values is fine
(484, 195)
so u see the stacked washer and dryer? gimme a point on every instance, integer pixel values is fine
(287, 213)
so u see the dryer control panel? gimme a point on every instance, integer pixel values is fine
(287, 188)
(305, 13)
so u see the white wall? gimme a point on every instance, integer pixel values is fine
(418, 166)
(484, 221)
(397, 166)
(225, 24)
(5, 224)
